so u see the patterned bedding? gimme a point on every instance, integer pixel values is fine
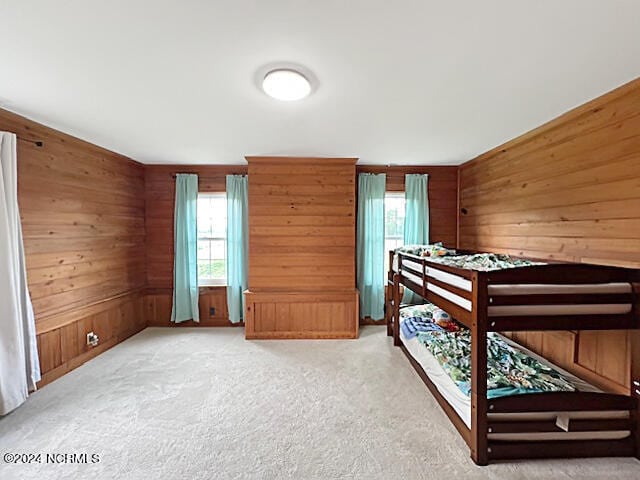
(483, 262)
(510, 371)
(424, 318)
(429, 250)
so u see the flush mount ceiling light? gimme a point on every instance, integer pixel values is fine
(286, 84)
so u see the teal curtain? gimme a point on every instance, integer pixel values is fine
(370, 244)
(237, 244)
(185, 240)
(416, 220)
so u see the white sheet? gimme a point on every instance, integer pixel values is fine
(462, 404)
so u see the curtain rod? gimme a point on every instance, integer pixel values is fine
(37, 143)
(173, 175)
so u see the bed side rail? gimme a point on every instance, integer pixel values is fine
(562, 401)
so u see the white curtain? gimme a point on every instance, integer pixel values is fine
(19, 366)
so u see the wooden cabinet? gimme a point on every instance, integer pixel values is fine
(302, 218)
(301, 314)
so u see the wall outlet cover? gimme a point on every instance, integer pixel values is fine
(92, 339)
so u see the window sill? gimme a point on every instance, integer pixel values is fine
(212, 283)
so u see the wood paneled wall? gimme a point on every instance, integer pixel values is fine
(443, 196)
(159, 200)
(302, 235)
(301, 224)
(569, 190)
(82, 211)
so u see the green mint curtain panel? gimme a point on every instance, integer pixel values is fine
(185, 261)
(19, 365)
(370, 244)
(237, 244)
(416, 219)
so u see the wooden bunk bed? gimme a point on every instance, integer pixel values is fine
(555, 296)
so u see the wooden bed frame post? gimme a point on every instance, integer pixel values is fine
(388, 296)
(388, 308)
(396, 309)
(479, 404)
(635, 364)
(635, 387)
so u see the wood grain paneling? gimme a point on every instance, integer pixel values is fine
(316, 217)
(443, 196)
(301, 242)
(82, 211)
(569, 190)
(272, 315)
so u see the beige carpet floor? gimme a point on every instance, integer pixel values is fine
(206, 404)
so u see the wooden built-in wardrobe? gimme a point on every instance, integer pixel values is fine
(302, 217)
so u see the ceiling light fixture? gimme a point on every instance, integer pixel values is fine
(286, 85)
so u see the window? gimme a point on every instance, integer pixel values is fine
(212, 238)
(393, 223)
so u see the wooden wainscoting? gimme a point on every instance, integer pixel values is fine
(157, 308)
(273, 315)
(569, 190)
(602, 358)
(64, 347)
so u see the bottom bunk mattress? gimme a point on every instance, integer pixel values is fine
(452, 391)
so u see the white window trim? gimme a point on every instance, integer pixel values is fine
(392, 195)
(212, 282)
(395, 195)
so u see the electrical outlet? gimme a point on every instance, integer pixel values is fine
(212, 311)
(92, 339)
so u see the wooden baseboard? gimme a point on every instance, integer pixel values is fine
(369, 321)
(207, 322)
(293, 335)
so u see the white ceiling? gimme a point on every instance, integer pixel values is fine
(398, 82)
